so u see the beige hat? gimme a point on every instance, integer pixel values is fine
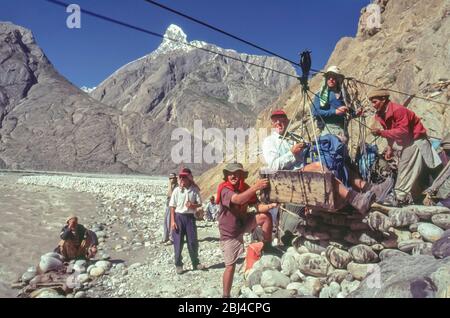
(334, 70)
(71, 217)
(378, 92)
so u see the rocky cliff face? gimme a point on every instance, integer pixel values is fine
(409, 52)
(46, 123)
(178, 83)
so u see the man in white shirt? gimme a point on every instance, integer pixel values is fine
(183, 203)
(282, 154)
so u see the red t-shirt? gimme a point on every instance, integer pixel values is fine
(232, 218)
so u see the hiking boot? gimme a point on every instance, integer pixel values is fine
(179, 270)
(199, 267)
(382, 190)
(361, 201)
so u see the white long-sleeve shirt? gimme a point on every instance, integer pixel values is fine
(277, 153)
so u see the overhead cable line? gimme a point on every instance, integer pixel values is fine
(220, 31)
(273, 53)
(125, 24)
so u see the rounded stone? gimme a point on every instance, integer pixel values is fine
(430, 232)
(49, 263)
(314, 265)
(363, 254)
(337, 276)
(97, 271)
(387, 253)
(407, 246)
(337, 257)
(441, 220)
(103, 264)
(358, 271)
(272, 278)
(270, 262)
(402, 217)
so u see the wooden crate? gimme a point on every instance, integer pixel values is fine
(312, 189)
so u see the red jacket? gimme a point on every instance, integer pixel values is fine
(400, 124)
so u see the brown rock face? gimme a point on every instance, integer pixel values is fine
(409, 53)
(46, 123)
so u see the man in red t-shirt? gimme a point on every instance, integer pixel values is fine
(407, 136)
(234, 196)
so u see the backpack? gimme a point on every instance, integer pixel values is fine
(365, 159)
(333, 154)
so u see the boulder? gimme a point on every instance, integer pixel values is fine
(430, 232)
(330, 291)
(272, 278)
(289, 263)
(402, 217)
(441, 220)
(270, 262)
(49, 263)
(407, 246)
(363, 254)
(422, 249)
(427, 212)
(253, 277)
(441, 248)
(337, 276)
(387, 253)
(407, 277)
(358, 271)
(378, 221)
(337, 257)
(314, 265)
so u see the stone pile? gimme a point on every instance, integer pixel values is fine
(332, 253)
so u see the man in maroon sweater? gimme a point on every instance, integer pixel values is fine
(234, 197)
(407, 137)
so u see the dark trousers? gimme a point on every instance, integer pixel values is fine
(166, 225)
(186, 226)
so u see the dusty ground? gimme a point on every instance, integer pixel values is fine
(32, 216)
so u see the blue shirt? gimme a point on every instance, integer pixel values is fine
(328, 111)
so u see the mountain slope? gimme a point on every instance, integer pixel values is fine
(410, 53)
(178, 84)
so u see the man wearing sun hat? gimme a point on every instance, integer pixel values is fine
(407, 136)
(234, 197)
(329, 107)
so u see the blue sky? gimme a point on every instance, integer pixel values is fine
(88, 55)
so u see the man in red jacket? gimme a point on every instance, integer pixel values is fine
(407, 137)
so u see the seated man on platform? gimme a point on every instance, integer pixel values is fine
(283, 154)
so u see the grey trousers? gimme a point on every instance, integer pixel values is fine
(413, 162)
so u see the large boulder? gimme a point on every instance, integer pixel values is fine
(314, 265)
(441, 248)
(363, 254)
(337, 257)
(407, 277)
